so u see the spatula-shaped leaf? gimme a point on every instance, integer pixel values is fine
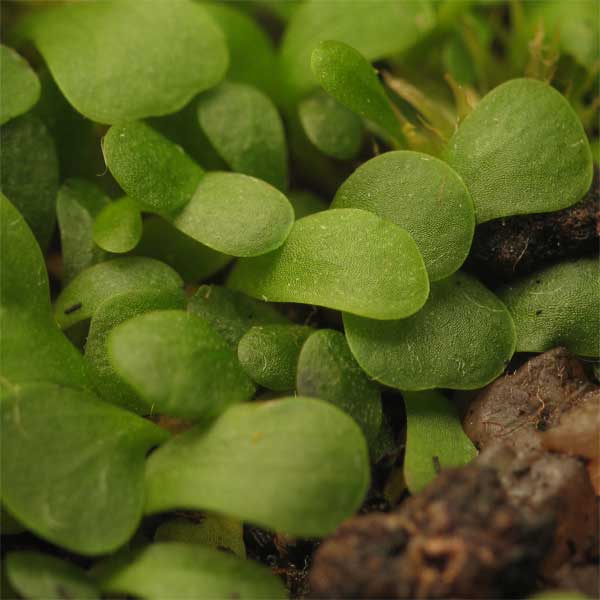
(236, 214)
(154, 171)
(118, 227)
(377, 29)
(84, 295)
(245, 128)
(348, 76)
(19, 85)
(32, 347)
(178, 364)
(295, 465)
(39, 576)
(231, 313)
(108, 385)
(208, 529)
(153, 61)
(77, 205)
(327, 370)
(522, 150)
(461, 339)
(434, 438)
(269, 354)
(29, 175)
(191, 259)
(424, 196)
(72, 466)
(188, 571)
(559, 306)
(330, 126)
(347, 259)
(251, 53)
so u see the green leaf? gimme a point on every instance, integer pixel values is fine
(230, 313)
(348, 76)
(19, 85)
(558, 306)
(154, 171)
(84, 295)
(210, 530)
(32, 346)
(8, 524)
(269, 354)
(377, 29)
(29, 175)
(153, 60)
(295, 465)
(330, 126)
(236, 214)
(434, 438)
(522, 150)
(327, 370)
(245, 128)
(188, 571)
(39, 576)
(73, 467)
(424, 196)
(251, 53)
(107, 384)
(77, 205)
(118, 227)
(178, 364)
(461, 339)
(305, 203)
(192, 260)
(346, 259)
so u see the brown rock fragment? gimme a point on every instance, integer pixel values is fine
(459, 538)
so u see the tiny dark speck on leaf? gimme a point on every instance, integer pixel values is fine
(538, 312)
(72, 309)
(436, 464)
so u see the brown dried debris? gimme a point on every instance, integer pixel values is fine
(505, 248)
(460, 537)
(517, 409)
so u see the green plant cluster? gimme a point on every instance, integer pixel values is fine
(167, 142)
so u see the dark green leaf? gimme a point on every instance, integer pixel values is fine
(305, 203)
(29, 175)
(347, 259)
(118, 227)
(246, 130)
(73, 467)
(178, 364)
(434, 438)
(153, 60)
(269, 354)
(19, 85)
(248, 465)
(522, 150)
(461, 339)
(424, 196)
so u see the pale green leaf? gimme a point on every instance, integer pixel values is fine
(424, 196)
(434, 438)
(245, 129)
(154, 59)
(346, 259)
(19, 85)
(178, 364)
(295, 465)
(73, 467)
(559, 306)
(269, 354)
(236, 214)
(522, 150)
(461, 339)
(188, 571)
(118, 227)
